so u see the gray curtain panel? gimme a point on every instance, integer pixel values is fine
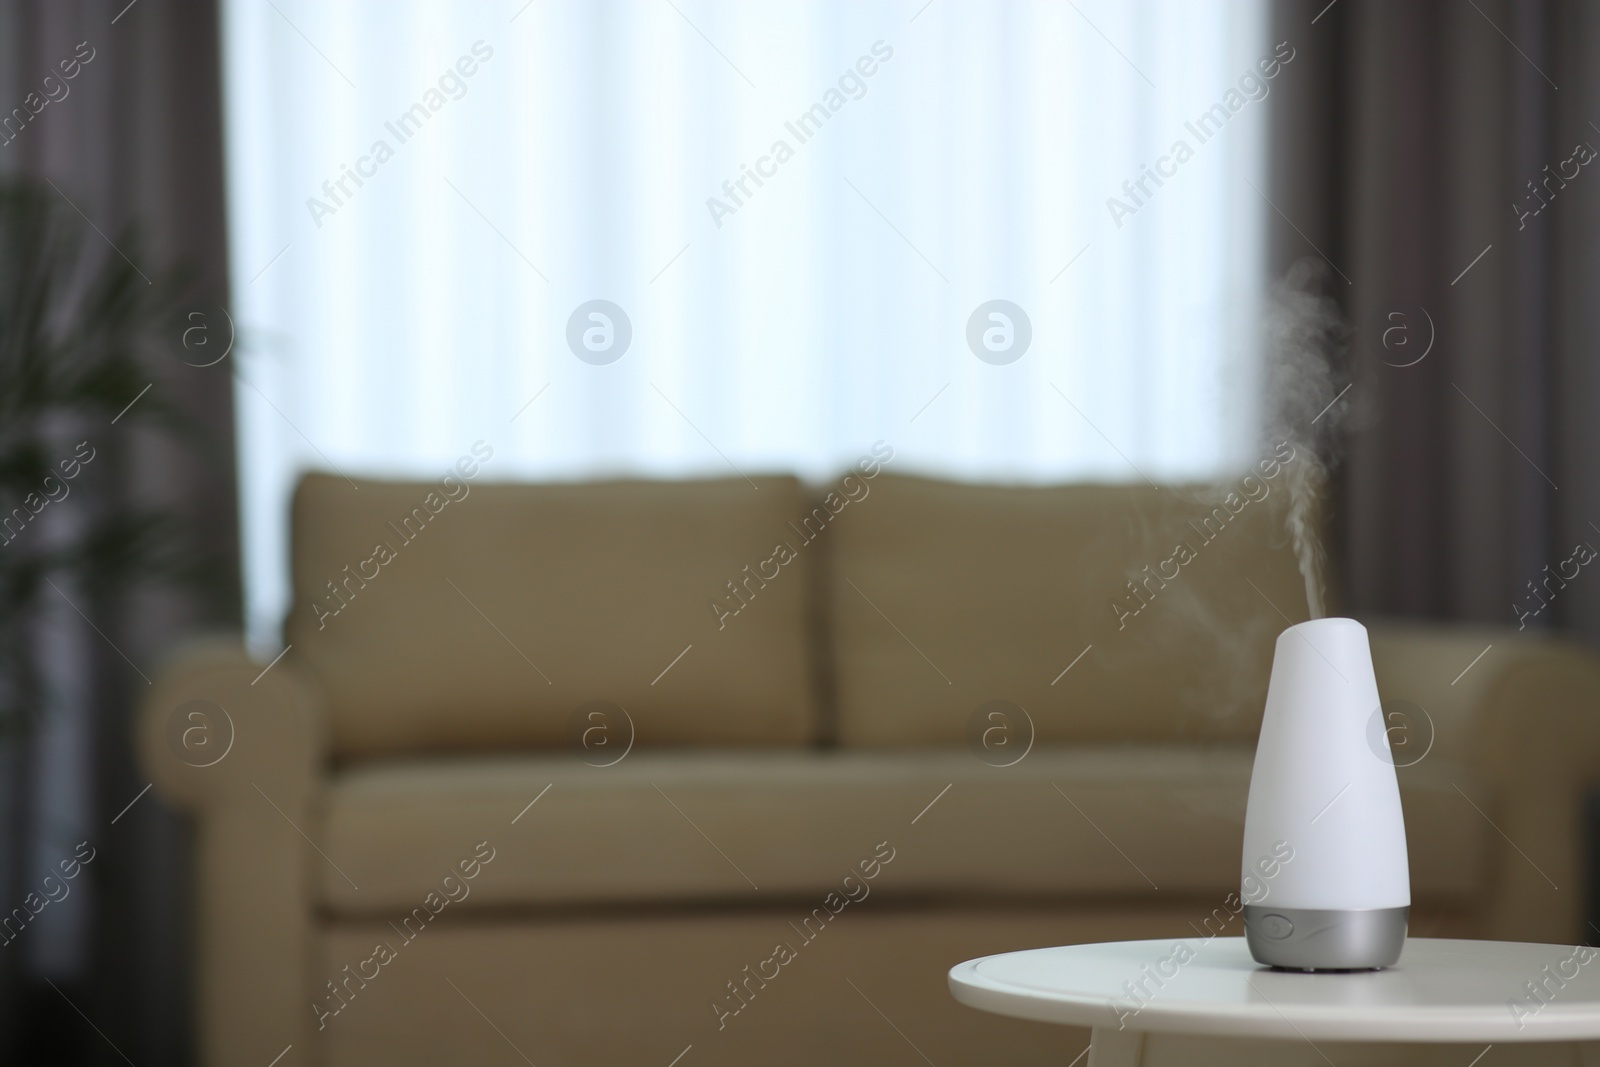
(137, 138)
(1435, 153)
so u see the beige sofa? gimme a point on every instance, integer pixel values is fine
(601, 774)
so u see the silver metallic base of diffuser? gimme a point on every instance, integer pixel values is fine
(1313, 939)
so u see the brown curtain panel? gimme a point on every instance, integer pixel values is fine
(138, 139)
(1436, 153)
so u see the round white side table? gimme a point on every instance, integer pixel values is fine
(1204, 1001)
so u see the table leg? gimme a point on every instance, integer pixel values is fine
(1115, 1048)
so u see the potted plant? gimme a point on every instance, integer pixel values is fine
(86, 337)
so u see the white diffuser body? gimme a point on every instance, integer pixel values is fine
(1324, 793)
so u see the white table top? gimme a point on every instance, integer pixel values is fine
(1440, 991)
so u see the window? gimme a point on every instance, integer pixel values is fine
(799, 214)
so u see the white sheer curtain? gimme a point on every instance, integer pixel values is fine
(386, 325)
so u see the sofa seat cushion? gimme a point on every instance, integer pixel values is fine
(691, 826)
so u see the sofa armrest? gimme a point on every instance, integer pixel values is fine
(243, 751)
(1525, 719)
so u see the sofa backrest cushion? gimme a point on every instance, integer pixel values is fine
(489, 619)
(943, 597)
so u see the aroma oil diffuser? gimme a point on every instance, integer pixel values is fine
(1324, 786)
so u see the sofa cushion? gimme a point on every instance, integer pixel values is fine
(758, 825)
(490, 619)
(943, 597)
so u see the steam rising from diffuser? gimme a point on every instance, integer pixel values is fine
(1304, 341)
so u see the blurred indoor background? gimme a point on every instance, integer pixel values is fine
(295, 318)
